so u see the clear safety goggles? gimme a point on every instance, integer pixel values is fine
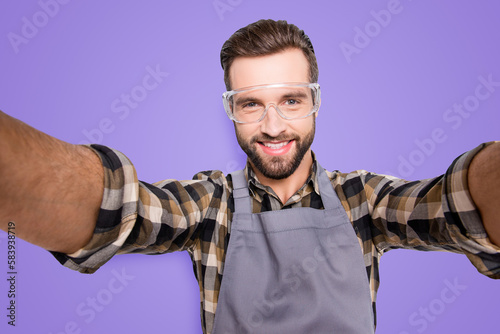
(290, 100)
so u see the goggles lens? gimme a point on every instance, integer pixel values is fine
(291, 101)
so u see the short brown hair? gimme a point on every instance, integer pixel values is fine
(266, 37)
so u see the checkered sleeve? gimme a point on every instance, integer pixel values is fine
(137, 217)
(432, 214)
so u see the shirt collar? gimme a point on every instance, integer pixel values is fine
(258, 190)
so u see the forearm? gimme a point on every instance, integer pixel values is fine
(484, 186)
(50, 188)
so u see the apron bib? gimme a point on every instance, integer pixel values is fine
(293, 271)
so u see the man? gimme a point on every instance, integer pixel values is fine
(260, 268)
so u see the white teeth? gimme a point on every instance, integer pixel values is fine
(276, 146)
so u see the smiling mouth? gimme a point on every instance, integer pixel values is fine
(275, 146)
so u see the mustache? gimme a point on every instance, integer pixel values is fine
(281, 137)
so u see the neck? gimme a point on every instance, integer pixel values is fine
(286, 188)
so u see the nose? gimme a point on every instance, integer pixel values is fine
(273, 124)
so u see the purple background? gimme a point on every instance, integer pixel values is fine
(392, 94)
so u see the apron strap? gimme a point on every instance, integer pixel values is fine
(327, 193)
(241, 195)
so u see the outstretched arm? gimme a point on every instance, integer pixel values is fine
(484, 186)
(51, 189)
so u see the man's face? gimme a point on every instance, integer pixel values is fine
(275, 146)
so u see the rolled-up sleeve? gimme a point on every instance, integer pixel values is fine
(116, 217)
(461, 213)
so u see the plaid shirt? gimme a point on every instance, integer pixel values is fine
(195, 215)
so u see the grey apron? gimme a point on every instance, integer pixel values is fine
(293, 271)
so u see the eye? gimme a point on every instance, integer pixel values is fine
(292, 102)
(250, 105)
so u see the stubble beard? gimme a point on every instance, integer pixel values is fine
(277, 167)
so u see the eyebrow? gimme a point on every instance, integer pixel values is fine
(300, 94)
(243, 100)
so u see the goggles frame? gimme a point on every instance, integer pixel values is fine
(315, 88)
